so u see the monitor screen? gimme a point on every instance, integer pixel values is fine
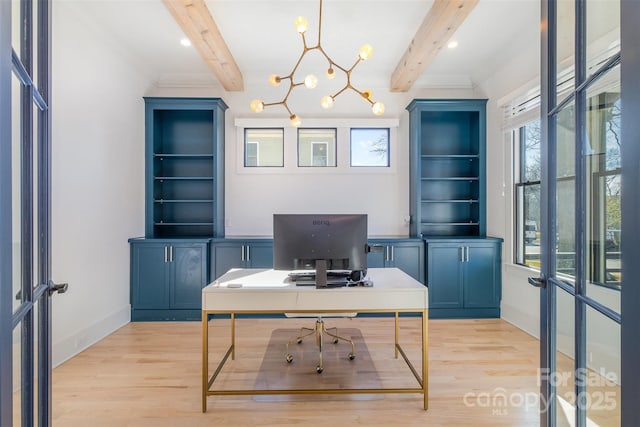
(301, 239)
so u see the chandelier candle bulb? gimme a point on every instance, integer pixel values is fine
(311, 81)
(274, 80)
(257, 106)
(366, 51)
(327, 101)
(301, 24)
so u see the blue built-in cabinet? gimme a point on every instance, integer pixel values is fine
(167, 276)
(184, 167)
(447, 204)
(184, 207)
(447, 167)
(240, 253)
(464, 277)
(404, 253)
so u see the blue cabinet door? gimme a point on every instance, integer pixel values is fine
(482, 275)
(409, 257)
(444, 275)
(405, 254)
(189, 271)
(259, 255)
(230, 253)
(225, 256)
(150, 275)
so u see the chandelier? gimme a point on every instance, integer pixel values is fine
(311, 81)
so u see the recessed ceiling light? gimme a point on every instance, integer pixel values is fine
(185, 42)
(452, 44)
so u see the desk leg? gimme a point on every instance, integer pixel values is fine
(205, 359)
(396, 346)
(425, 358)
(233, 336)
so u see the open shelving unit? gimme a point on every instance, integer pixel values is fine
(184, 167)
(447, 144)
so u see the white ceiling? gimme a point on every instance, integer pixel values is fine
(261, 37)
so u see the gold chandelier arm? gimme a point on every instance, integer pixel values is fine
(327, 101)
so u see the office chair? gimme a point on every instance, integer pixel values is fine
(320, 329)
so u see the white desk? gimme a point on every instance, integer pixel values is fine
(241, 291)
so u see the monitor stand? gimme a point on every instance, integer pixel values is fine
(321, 273)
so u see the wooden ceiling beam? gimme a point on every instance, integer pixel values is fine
(196, 21)
(441, 22)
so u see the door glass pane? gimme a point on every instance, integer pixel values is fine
(603, 177)
(16, 201)
(602, 374)
(603, 32)
(565, 215)
(17, 380)
(565, 47)
(564, 378)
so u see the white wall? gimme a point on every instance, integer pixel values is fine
(520, 301)
(97, 180)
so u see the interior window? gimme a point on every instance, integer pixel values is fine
(370, 147)
(264, 147)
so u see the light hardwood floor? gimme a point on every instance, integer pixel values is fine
(148, 374)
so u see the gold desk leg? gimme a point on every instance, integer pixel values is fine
(425, 358)
(396, 346)
(205, 359)
(233, 336)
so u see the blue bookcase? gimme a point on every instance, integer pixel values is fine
(184, 207)
(184, 167)
(447, 197)
(447, 167)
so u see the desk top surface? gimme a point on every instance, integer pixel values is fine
(271, 290)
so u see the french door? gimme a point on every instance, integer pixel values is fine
(590, 192)
(25, 259)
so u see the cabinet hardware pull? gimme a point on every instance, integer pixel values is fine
(461, 253)
(248, 253)
(171, 253)
(393, 254)
(467, 253)
(165, 254)
(242, 253)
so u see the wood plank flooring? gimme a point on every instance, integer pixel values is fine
(148, 374)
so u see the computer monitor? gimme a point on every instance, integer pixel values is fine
(300, 240)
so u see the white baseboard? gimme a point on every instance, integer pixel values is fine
(68, 347)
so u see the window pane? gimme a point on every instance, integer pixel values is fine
(370, 147)
(528, 225)
(16, 194)
(317, 147)
(264, 147)
(565, 197)
(531, 152)
(603, 177)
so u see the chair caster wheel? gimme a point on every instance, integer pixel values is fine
(319, 369)
(335, 340)
(289, 358)
(299, 340)
(352, 356)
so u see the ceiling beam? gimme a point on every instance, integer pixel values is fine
(441, 22)
(196, 21)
